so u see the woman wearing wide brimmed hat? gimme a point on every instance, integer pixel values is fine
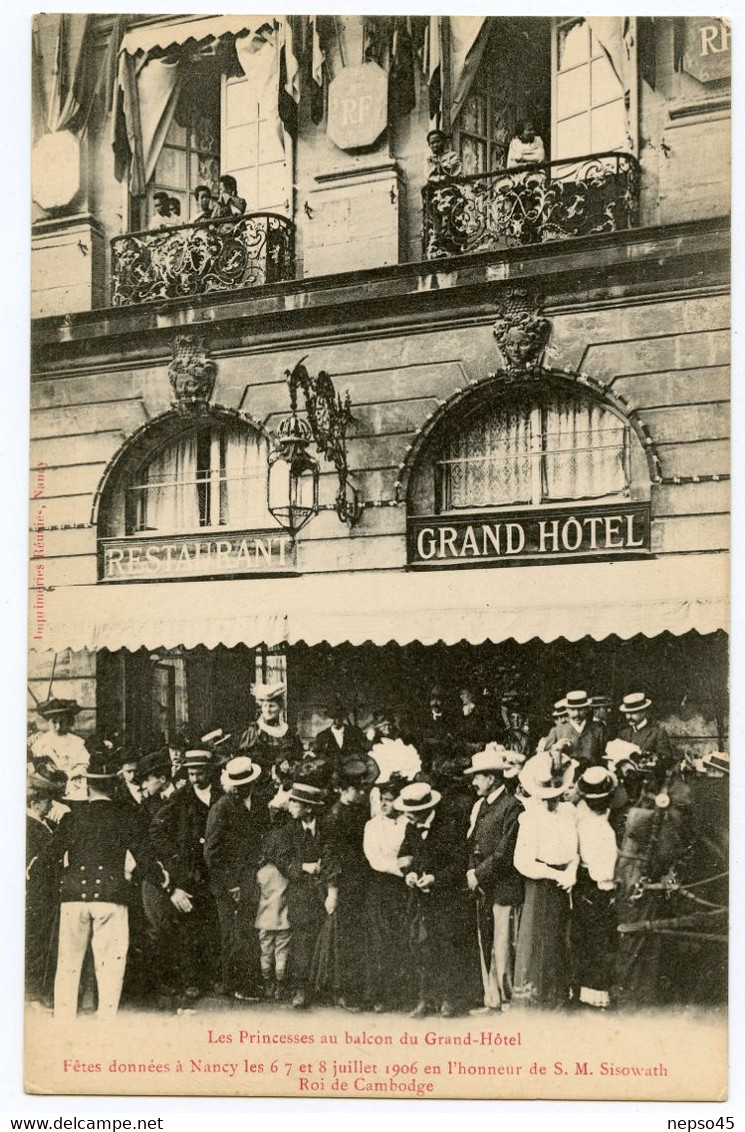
(61, 744)
(270, 739)
(547, 856)
(593, 928)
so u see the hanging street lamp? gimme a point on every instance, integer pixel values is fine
(293, 475)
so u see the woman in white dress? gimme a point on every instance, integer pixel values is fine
(547, 855)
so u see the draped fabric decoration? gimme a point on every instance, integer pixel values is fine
(488, 463)
(317, 61)
(584, 452)
(150, 90)
(60, 93)
(433, 70)
(469, 37)
(290, 47)
(246, 461)
(401, 76)
(170, 501)
(257, 57)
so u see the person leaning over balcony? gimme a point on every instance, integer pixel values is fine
(526, 148)
(205, 203)
(162, 217)
(228, 203)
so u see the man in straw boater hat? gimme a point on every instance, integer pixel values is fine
(93, 844)
(585, 737)
(296, 853)
(44, 784)
(61, 744)
(178, 834)
(492, 877)
(434, 863)
(656, 754)
(236, 825)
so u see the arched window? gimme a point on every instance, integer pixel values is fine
(558, 449)
(211, 475)
(528, 446)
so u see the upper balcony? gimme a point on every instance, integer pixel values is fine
(193, 259)
(533, 204)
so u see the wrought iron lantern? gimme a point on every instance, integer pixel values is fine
(293, 475)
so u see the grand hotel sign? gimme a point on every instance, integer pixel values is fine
(164, 558)
(503, 539)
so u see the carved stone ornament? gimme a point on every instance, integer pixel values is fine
(191, 372)
(521, 333)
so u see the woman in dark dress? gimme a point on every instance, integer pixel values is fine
(389, 974)
(270, 740)
(339, 964)
(593, 928)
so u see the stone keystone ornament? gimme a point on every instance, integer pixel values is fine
(358, 106)
(191, 373)
(522, 334)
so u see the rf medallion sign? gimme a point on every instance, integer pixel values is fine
(358, 106)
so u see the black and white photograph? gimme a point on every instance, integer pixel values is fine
(378, 697)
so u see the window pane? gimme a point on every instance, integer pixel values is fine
(170, 171)
(473, 154)
(609, 127)
(473, 115)
(574, 44)
(169, 489)
(273, 187)
(488, 464)
(584, 452)
(241, 107)
(205, 134)
(573, 137)
(573, 93)
(241, 146)
(605, 84)
(244, 504)
(271, 147)
(205, 170)
(176, 134)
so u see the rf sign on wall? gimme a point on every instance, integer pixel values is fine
(358, 106)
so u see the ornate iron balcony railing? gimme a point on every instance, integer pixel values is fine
(532, 204)
(194, 259)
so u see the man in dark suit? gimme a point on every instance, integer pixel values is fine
(656, 755)
(178, 833)
(340, 743)
(492, 877)
(236, 825)
(586, 739)
(44, 785)
(296, 852)
(434, 861)
(435, 731)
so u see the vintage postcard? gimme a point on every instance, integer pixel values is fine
(379, 556)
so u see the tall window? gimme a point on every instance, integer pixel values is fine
(532, 454)
(253, 149)
(589, 108)
(190, 157)
(209, 477)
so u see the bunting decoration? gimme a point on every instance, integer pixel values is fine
(289, 74)
(401, 76)
(433, 65)
(317, 62)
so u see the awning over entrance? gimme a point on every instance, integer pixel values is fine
(598, 600)
(163, 36)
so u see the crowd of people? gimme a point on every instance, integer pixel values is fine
(457, 866)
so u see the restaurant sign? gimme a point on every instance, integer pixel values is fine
(149, 558)
(541, 535)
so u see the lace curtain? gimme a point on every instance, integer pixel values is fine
(584, 452)
(567, 449)
(244, 501)
(170, 500)
(488, 464)
(221, 482)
